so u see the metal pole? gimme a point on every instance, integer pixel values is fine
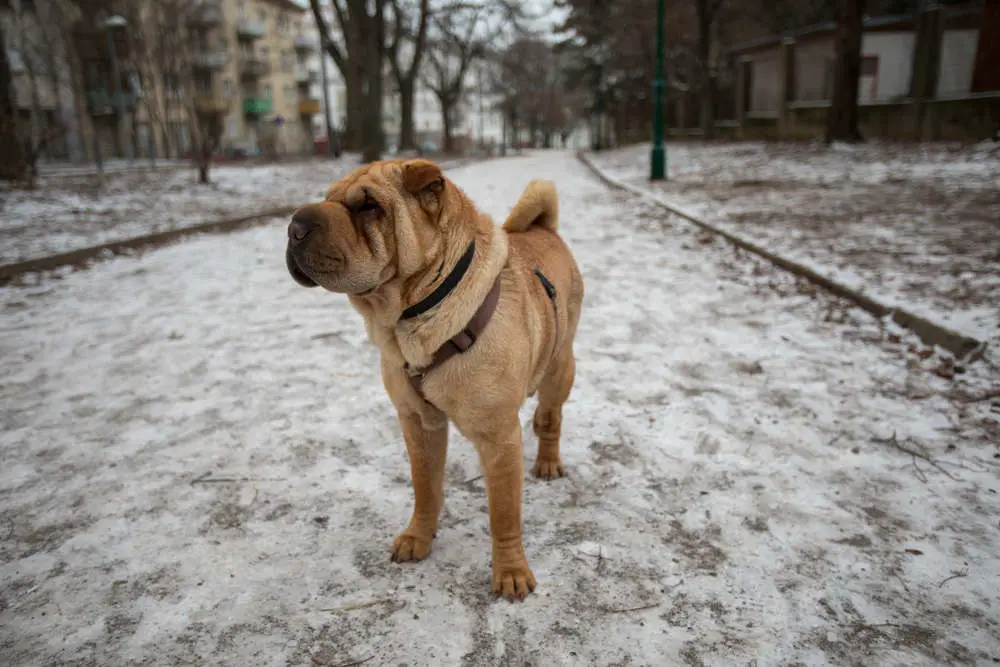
(119, 97)
(326, 97)
(658, 156)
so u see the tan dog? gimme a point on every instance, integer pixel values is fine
(470, 319)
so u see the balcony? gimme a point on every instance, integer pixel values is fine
(303, 43)
(103, 103)
(306, 74)
(251, 29)
(206, 14)
(252, 66)
(309, 107)
(256, 106)
(210, 104)
(210, 60)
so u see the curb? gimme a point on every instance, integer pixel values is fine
(929, 332)
(82, 257)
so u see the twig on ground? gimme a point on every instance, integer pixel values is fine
(473, 479)
(359, 605)
(957, 575)
(599, 556)
(976, 354)
(644, 607)
(353, 663)
(861, 625)
(208, 479)
(891, 440)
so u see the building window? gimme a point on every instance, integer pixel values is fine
(869, 65)
(267, 91)
(15, 60)
(227, 89)
(203, 84)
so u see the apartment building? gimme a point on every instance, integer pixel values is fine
(249, 65)
(40, 91)
(242, 63)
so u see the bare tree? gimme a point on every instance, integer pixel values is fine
(153, 37)
(530, 82)
(12, 165)
(842, 123)
(449, 58)
(708, 11)
(409, 28)
(163, 53)
(347, 54)
(359, 58)
(462, 34)
(38, 49)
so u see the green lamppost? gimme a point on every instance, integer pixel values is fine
(658, 156)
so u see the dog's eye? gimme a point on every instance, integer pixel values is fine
(369, 206)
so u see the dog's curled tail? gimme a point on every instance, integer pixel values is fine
(538, 205)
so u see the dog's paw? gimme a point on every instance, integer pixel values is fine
(548, 469)
(513, 582)
(409, 547)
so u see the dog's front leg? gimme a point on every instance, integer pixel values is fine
(427, 447)
(503, 466)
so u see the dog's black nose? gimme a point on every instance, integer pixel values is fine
(301, 226)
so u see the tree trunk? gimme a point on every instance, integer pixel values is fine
(203, 172)
(842, 123)
(407, 139)
(373, 30)
(354, 113)
(707, 82)
(446, 142)
(10, 147)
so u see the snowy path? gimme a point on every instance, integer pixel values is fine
(728, 502)
(915, 225)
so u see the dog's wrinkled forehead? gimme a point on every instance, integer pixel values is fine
(364, 183)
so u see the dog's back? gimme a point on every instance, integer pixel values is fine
(535, 244)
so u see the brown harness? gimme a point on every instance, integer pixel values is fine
(460, 342)
(469, 334)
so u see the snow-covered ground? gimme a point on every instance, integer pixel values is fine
(67, 214)
(913, 225)
(200, 466)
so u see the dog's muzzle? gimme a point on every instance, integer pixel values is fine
(299, 230)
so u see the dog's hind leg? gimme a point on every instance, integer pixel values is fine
(552, 393)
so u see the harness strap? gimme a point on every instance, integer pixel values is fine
(461, 341)
(550, 289)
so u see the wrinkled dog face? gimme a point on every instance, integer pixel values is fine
(371, 228)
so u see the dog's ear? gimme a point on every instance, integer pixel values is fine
(422, 175)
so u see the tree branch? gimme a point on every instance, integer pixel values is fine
(324, 33)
